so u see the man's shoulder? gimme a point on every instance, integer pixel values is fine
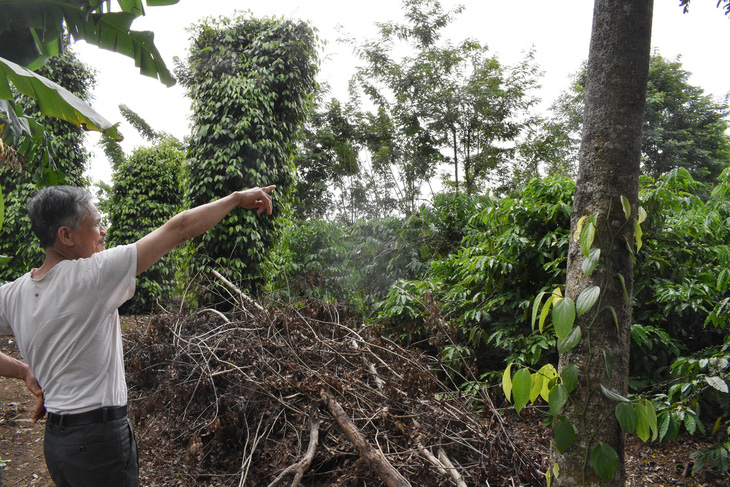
(6, 286)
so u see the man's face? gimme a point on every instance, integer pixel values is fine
(89, 237)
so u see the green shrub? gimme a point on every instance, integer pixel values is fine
(70, 159)
(485, 287)
(146, 193)
(252, 83)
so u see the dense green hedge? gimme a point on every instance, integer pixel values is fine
(69, 157)
(146, 193)
(252, 83)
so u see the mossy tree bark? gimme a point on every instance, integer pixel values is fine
(610, 155)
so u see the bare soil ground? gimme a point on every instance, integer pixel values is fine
(22, 462)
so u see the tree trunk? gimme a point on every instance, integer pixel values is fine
(617, 73)
(456, 161)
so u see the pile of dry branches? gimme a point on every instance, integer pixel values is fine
(287, 396)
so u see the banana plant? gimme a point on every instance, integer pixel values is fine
(31, 31)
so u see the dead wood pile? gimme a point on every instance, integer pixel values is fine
(304, 397)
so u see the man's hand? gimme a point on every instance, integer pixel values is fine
(258, 199)
(32, 384)
(39, 410)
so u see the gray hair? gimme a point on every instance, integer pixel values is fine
(54, 207)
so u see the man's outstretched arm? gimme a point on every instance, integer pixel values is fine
(196, 221)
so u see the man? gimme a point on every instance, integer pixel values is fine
(65, 321)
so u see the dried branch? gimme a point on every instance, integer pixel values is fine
(244, 297)
(303, 465)
(455, 475)
(268, 366)
(375, 459)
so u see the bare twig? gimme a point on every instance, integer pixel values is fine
(244, 297)
(215, 312)
(455, 475)
(375, 459)
(303, 465)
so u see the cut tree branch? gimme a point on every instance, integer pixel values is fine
(303, 465)
(244, 297)
(373, 458)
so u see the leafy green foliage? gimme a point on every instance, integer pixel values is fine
(146, 193)
(684, 127)
(680, 280)
(485, 287)
(251, 82)
(68, 165)
(653, 351)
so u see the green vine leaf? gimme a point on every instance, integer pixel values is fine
(590, 263)
(507, 381)
(563, 434)
(545, 312)
(570, 342)
(615, 396)
(570, 377)
(627, 206)
(536, 308)
(563, 317)
(542, 381)
(623, 287)
(587, 299)
(642, 215)
(627, 417)
(604, 460)
(557, 398)
(521, 385)
(646, 427)
(579, 228)
(638, 233)
(586, 238)
(608, 362)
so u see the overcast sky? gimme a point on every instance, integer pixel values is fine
(558, 31)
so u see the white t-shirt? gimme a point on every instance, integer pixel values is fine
(66, 325)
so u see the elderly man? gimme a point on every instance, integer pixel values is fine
(65, 321)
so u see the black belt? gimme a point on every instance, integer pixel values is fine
(101, 415)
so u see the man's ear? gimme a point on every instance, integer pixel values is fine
(63, 236)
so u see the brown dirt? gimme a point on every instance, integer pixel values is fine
(22, 462)
(21, 440)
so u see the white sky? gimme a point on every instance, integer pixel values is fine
(559, 31)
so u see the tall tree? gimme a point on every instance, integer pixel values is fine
(252, 83)
(610, 155)
(447, 102)
(328, 157)
(684, 128)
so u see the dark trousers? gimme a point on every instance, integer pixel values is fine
(92, 455)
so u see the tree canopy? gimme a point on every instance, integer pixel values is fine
(683, 126)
